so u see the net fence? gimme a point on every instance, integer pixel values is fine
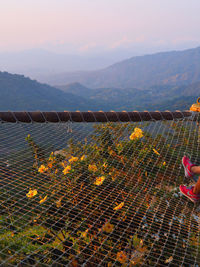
(98, 193)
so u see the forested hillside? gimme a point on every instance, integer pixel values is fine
(20, 93)
(168, 68)
(157, 97)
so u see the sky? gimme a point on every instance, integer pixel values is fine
(91, 26)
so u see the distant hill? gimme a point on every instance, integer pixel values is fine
(169, 68)
(157, 97)
(76, 89)
(20, 93)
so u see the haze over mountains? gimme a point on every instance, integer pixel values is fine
(161, 81)
(169, 68)
(37, 62)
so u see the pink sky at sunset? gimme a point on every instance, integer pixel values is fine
(82, 25)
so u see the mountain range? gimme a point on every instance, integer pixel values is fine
(162, 81)
(167, 68)
(20, 93)
(156, 97)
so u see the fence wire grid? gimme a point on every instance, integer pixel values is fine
(98, 194)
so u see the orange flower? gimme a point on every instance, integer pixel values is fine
(43, 200)
(42, 169)
(108, 227)
(121, 257)
(73, 159)
(67, 169)
(92, 167)
(50, 165)
(31, 193)
(119, 206)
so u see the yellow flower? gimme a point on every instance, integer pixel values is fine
(119, 206)
(111, 152)
(73, 159)
(43, 200)
(67, 169)
(62, 164)
(105, 165)
(92, 167)
(121, 257)
(169, 260)
(84, 234)
(51, 157)
(59, 202)
(31, 193)
(42, 169)
(164, 163)
(137, 133)
(108, 227)
(156, 152)
(99, 180)
(83, 157)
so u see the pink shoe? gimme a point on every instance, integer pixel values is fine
(187, 164)
(188, 192)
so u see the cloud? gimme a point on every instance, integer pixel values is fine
(126, 42)
(87, 47)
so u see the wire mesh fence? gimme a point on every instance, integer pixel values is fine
(98, 194)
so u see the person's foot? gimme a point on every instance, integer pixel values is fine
(187, 164)
(188, 192)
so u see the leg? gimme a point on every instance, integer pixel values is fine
(188, 166)
(191, 192)
(196, 189)
(195, 169)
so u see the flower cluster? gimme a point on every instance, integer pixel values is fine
(42, 169)
(31, 193)
(136, 134)
(99, 180)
